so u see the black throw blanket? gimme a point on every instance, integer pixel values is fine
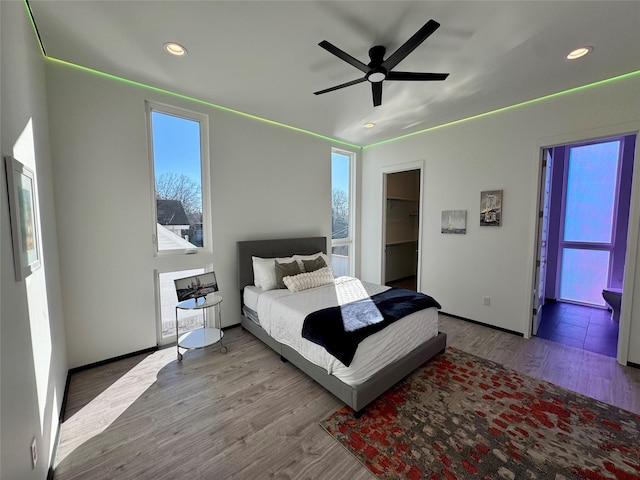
(340, 329)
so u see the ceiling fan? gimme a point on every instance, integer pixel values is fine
(380, 69)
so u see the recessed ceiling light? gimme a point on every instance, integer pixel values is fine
(175, 49)
(369, 125)
(579, 52)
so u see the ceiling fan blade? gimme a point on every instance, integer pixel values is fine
(376, 89)
(411, 44)
(414, 76)
(344, 56)
(337, 87)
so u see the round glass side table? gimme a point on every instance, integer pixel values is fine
(207, 335)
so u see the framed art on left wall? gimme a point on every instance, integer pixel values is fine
(21, 187)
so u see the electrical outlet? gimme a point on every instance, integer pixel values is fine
(34, 453)
(486, 301)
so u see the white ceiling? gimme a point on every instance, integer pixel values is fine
(263, 58)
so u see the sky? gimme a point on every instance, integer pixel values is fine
(339, 171)
(176, 139)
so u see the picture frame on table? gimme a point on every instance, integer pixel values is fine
(23, 212)
(196, 286)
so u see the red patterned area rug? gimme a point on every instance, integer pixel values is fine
(462, 417)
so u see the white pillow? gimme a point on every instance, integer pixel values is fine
(264, 271)
(305, 281)
(300, 258)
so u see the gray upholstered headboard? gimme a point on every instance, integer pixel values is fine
(284, 247)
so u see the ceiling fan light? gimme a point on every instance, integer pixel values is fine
(579, 52)
(175, 49)
(376, 77)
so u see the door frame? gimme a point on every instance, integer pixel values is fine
(402, 167)
(539, 267)
(633, 234)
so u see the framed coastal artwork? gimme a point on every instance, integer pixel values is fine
(491, 208)
(453, 221)
(23, 214)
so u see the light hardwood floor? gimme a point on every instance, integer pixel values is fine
(247, 415)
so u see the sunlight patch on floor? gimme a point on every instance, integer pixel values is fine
(97, 415)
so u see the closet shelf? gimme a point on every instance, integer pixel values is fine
(401, 242)
(402, 199)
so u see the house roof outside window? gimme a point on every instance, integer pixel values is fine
(171, 212)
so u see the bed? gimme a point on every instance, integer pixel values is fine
(367, 376)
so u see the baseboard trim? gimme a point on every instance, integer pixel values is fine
(634, 365)
(65, 396)
(61, 419)
(506, 330)
(110, 360)
(229, 327)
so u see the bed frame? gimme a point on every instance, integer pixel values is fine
(357, 397)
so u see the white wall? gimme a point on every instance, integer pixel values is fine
(267, 182)
(33, 352)
(499, 151)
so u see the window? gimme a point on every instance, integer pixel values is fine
(342, 164)
(591, 193)
(179, 161)
(589, 221)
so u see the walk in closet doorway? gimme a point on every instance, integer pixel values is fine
(401, 228)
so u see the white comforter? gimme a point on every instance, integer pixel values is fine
(282, 313)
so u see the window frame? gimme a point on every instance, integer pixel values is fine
(207, 227)
(349, 241)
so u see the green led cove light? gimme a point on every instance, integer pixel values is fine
(504, 109)
(202, 102)
(174, 94)
(317, 135)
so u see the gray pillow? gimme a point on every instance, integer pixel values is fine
(286, 270)
(313, 265)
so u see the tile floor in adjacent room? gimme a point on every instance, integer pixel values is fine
(579, 326)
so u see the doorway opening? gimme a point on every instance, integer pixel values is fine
(402, 228)
(585, 198)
